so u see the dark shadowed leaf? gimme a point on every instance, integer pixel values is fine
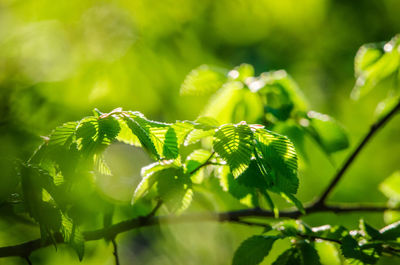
(253, 250)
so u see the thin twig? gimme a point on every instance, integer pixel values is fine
(26, 248)
(374, 128)
(206, 163)
(28, 261)
(115, 252)
(155, 209)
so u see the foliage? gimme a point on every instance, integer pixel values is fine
(239, 138)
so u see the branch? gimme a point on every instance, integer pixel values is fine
(206, 163)
(24, 249)
(28, 261)
(374, 128)
(115, 252)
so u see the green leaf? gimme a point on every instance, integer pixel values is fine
(234, 144)
(278, 160)
(282, 93)
(289, 257)
(290, 198)
(127, 136)
(390, 232)
(203, 127)
(161, 140)
(64, 134)
(308, 254)
(331, 232)
(384, 107)
(328, 253)
(252, 177)
(327, 132)
(196, 159)
(302, 253)
(390, 187)
(182, 130)
(87, 135)
(374, 63)
(233, 103)
(72, 236)
(293, 228)
(175, 189)
(109, 127)
(295, 133)
(244, 194)
(143, 137)
(253, 250)
(369, 231)
(351, 250)
(162, 135)
(241, 72)
(206, 123)
(101, 166)
(203, 80)
(150, 175)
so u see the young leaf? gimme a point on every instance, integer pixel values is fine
(234, 144)
(63, 135)
(308, 254)
(289, 257)
(373, 63)
(203, 127)
(281, 84)
(351, 250)
(175, 189)
(150, 175)
(292, 227)
(161, 140)
(87, 135)
(244, 194)
(390, 187)
(253, 250)
(252, 177)
(390, 232)
(224, 101)
(109, 128)
(303, 253)
(241, 72)
(279, 160)
(328, 133)
(196, 159)
(327, 231)
(143, 137)
(203, 80)
(72, 236)
(369, 231)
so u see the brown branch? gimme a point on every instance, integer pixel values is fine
(24, 249)
(374, 128)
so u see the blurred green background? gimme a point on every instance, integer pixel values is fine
(61, 59)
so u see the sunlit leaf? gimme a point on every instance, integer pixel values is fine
(373, 63)
(278, 160)
(175, 190)
(72, 236)
(241, 72)
(391, 186)
(234, 144)
(327, 132)
(203, 80)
